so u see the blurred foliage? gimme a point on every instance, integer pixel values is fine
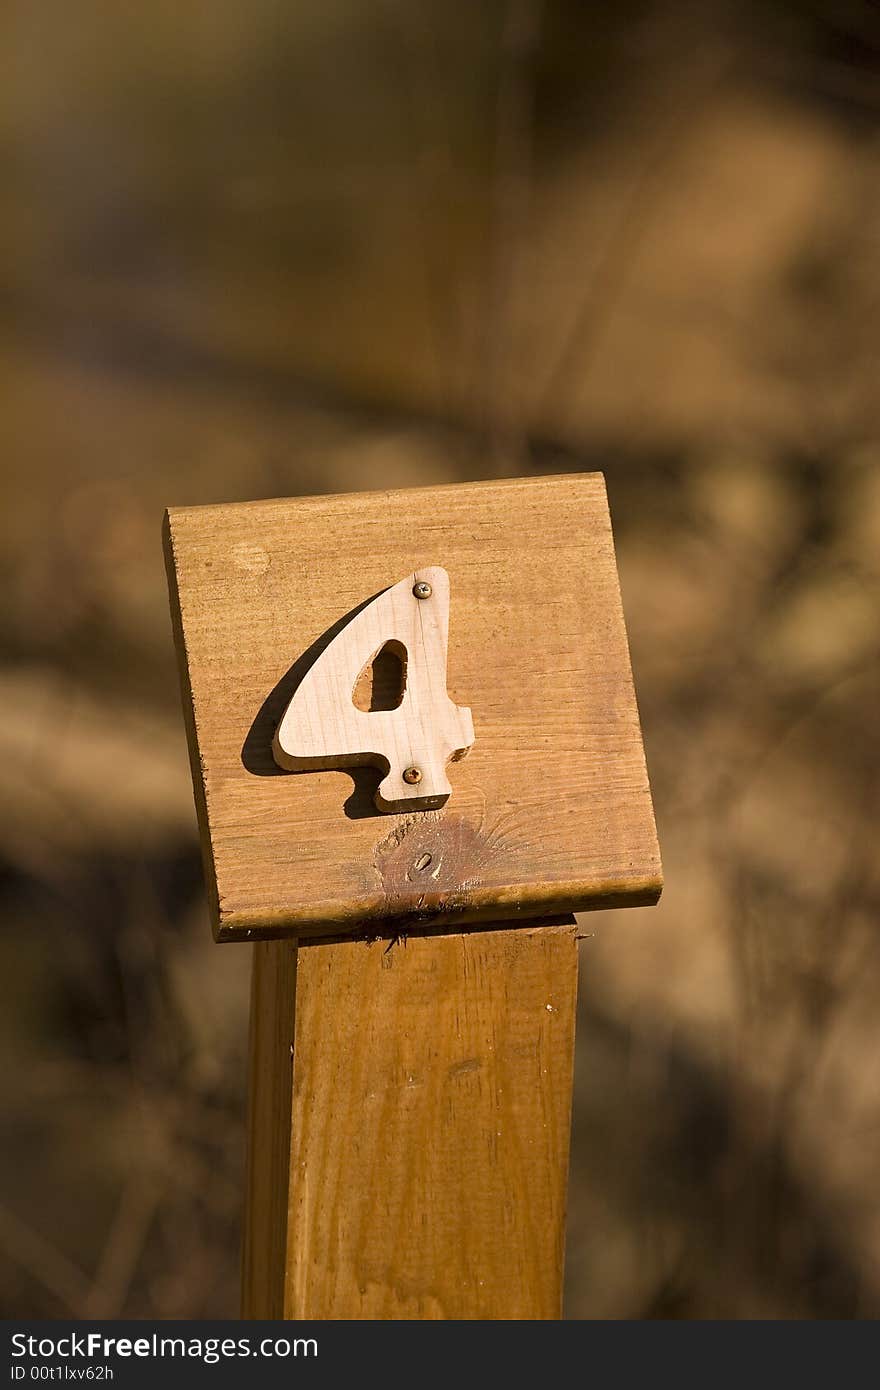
(260, 250)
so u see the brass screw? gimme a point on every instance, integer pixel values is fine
(422, 589)
(412, 775)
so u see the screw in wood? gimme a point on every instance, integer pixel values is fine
(422, 589)
(412, 775)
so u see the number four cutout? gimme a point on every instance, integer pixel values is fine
(323, 727)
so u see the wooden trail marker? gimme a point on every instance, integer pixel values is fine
(415, 962)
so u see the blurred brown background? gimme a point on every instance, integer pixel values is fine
(262, 249)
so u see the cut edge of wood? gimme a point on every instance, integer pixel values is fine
(322, 499)
(269, 1109)
(190, 723)
(510, 906)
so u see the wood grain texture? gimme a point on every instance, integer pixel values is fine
(551, 810)
(429, 1129)
(270, 1072)
(322, 726)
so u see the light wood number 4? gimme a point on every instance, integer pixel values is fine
(322, 726)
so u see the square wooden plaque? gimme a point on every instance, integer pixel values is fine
(551, 810)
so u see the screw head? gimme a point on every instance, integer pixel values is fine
(412, 775)
(422, 589)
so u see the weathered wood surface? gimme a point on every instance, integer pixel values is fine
(270, 1066)
(428, 1131)
(551, 810)
(412, 734)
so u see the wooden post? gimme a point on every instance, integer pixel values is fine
(421, 1169)
(415, 963)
